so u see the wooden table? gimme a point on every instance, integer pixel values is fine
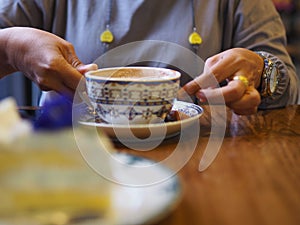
(255, 178)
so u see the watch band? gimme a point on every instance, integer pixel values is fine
(269, 78)
(282, 93)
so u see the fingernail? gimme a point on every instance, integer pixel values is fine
(201, 96)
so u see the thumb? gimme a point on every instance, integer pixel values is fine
(82, 68)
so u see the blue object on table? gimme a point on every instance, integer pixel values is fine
(55, 114)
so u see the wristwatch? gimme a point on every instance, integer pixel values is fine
(269, 78)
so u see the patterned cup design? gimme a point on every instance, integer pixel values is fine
(136, 97)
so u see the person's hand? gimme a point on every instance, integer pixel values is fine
(46, 59)
(232, 66)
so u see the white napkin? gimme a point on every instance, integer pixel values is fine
(12, 126)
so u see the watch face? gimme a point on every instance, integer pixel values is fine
(273, 80)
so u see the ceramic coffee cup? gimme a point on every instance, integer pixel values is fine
(132, 95)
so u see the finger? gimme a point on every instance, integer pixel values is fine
(216, 70)
(245, 111)
(72, 79)
(233, 91)
(73, 68)
(82, 69)
(222, 66)
(205, 80)
(248, 104)
(69, 54)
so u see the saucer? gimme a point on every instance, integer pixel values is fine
(189, 112)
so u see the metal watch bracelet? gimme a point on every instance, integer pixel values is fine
(269, 78)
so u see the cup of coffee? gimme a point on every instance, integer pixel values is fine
(132, 95)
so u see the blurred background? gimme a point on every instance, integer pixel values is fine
(290, 14)
(27, 94)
